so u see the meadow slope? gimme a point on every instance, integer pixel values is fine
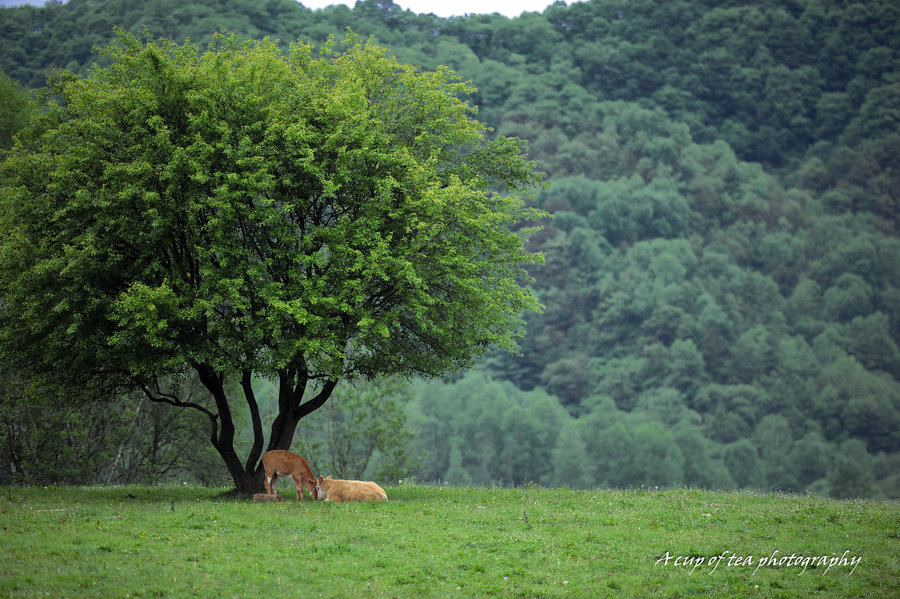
(431, 541)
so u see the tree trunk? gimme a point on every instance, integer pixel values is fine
(248, 476)
(222, 426)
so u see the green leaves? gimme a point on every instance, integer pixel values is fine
(251, 210)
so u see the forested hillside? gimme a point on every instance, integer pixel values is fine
(722, 275)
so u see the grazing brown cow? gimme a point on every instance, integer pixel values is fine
(279, 462)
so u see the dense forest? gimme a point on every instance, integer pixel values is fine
(722, 274)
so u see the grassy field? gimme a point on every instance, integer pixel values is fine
(431, 541)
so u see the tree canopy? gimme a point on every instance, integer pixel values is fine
(311, 216)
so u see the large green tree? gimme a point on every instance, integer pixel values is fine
(243, 212)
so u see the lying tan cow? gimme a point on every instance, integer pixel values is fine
(330, 489)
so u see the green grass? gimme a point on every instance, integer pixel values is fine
(430, 541)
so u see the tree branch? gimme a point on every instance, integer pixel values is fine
(173, 400)
(318, 401)
(256, 450)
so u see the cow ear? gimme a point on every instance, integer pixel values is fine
(321, 479)
(328, 477)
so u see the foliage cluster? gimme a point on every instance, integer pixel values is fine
(361, 433)
(479, 431)
(17, 109)
(56, 436)
(770, 78)
(722, 283)
(431, 541)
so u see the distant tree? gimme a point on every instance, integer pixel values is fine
(811, 458)
(731, 410)
(774, 440)
(657, 459)
(570, 460)
(611, 454)
(742, 461)
(503, 434)
(456, 473)
(16, 106)
(242, 213)
(868, 339)
(568, 378)
(665, 405)
(701, 469)
(852, 474)
(848, 298)
(361, 431)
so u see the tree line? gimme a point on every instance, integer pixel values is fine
(721, 280)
